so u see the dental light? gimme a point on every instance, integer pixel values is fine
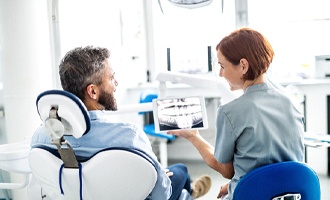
(191, 3)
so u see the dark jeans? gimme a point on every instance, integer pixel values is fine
(180, 180)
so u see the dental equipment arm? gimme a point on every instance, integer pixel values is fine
(216, 86)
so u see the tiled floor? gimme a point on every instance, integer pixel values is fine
(198, 168)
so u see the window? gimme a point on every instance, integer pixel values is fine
(297, 30)
(116, 25)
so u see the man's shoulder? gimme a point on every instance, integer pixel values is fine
(115, 127)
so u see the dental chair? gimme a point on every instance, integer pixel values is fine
(280, 181)
(115, 173)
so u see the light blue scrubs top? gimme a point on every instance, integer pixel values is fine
(260, 127)
(105, 134)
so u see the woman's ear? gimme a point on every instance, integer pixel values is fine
(91, 91)
(245, 65)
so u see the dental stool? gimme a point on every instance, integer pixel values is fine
(114, 173)
(280, 181)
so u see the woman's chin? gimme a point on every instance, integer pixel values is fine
(231, 88)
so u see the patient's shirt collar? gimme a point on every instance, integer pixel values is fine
(97, 114)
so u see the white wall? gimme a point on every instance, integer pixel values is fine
(316, 122)
(26, 67)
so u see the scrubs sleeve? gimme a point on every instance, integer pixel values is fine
(225, 139)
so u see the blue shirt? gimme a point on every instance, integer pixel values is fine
(260, 127)
(104, 134)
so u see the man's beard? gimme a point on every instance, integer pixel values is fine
(108, 100)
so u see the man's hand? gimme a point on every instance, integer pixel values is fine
(168, 173)
(223, 190)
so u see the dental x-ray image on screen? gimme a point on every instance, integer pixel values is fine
(179, 113)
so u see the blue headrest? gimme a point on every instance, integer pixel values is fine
(73, 115)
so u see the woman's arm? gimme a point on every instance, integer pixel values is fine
(206, 150)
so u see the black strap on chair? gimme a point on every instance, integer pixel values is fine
(67, 154)
(64, 148)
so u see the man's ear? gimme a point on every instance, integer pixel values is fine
(92, 91)
(245, 65)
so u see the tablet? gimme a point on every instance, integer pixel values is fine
(175, 113)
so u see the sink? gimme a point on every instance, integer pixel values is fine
(14, 157)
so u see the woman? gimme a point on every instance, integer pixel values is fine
(260, 127)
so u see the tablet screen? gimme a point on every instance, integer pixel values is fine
(173, 113)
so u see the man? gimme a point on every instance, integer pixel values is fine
(87, 73)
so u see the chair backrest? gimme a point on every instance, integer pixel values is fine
(119, 174)
(116, 173)
(279, 179)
